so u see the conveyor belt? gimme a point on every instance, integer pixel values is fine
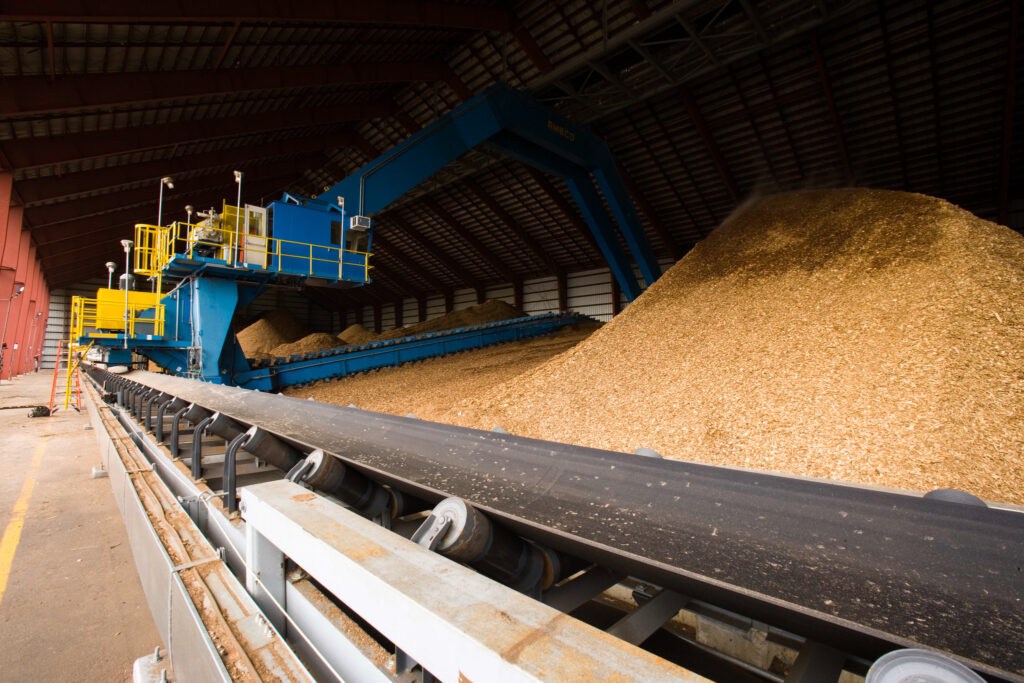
(863, 569)
(346, 360)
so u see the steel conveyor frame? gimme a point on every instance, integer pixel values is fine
(859, 569)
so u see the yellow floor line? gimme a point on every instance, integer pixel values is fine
(12, 534)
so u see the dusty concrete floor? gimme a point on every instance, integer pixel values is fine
(73, 608)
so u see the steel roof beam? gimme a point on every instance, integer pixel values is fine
(406, 261)
(76, 209)
(67, 186)
(449, 220)
(31, 95)
(512, 226)
(451, 264)
(35, 152)
(318, 12)
(647, 210)
(709, 142)
(826, 89)
(1008, 108)
(566, 209)
(129, 216)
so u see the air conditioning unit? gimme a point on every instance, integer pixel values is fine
(360, 223)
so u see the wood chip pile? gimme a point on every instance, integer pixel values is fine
(853, 334)
(428, 389)
(356, 334)
(273, 329)
(311, 342)
(490, 311)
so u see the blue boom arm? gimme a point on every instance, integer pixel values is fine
(511, 122)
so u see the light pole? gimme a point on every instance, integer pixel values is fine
(169, 182)
(127, 244)
(238, 214)
(111, 266)
(10, 302)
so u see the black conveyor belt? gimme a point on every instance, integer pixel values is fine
(863, 568)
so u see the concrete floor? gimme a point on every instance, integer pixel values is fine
(72, 608)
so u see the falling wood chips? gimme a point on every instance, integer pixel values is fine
(852, 334)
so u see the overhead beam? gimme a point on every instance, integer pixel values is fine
(408, 262)
(36, 152)
(1008, 109)
(532, 50)
(512, 226)
(647, 210)
(68, 185)
(129, 216)
(450, 221)
(826, 89)
(391, 12)
(227, 44)
(709, 142)
(25, 95)
(82, 208)
(443, 257)
(563, 207)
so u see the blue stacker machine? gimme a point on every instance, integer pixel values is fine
(220, 263)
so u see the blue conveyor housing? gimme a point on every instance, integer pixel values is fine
(347, 360)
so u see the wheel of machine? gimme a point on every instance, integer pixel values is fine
(919, 666)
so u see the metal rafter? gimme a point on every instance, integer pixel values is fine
(455, 226)
(512, 226)
(826, 89)
(35, 95)
(393, 12)
(38, 152)
(396, 221)
(709, 142)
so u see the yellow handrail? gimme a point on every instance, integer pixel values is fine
(156, 246)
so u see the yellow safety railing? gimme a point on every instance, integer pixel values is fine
(152, 249)
(156, 246)
(104, 317)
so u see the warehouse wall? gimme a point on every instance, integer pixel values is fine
(589, 293)
(24, 295)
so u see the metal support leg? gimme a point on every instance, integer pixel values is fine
(582, 589)
(264, 575)
(638, 626)
(197, 448)
(173, 439)
(230, 474)
(149, 411)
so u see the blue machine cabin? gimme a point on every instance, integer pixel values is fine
(318, 243)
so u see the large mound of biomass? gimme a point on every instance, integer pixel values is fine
(853, 334)
(275, 328)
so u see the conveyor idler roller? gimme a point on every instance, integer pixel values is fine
(328, 474)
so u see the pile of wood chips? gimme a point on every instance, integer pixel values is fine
(273, 329)
(317, 341)
(356, 334)
(852, 334)
(428, 389)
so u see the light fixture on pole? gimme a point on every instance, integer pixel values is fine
(127, 244)
(238, 214)
(111, 266)
(189, 209)
(10, 301)
(169, 182)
